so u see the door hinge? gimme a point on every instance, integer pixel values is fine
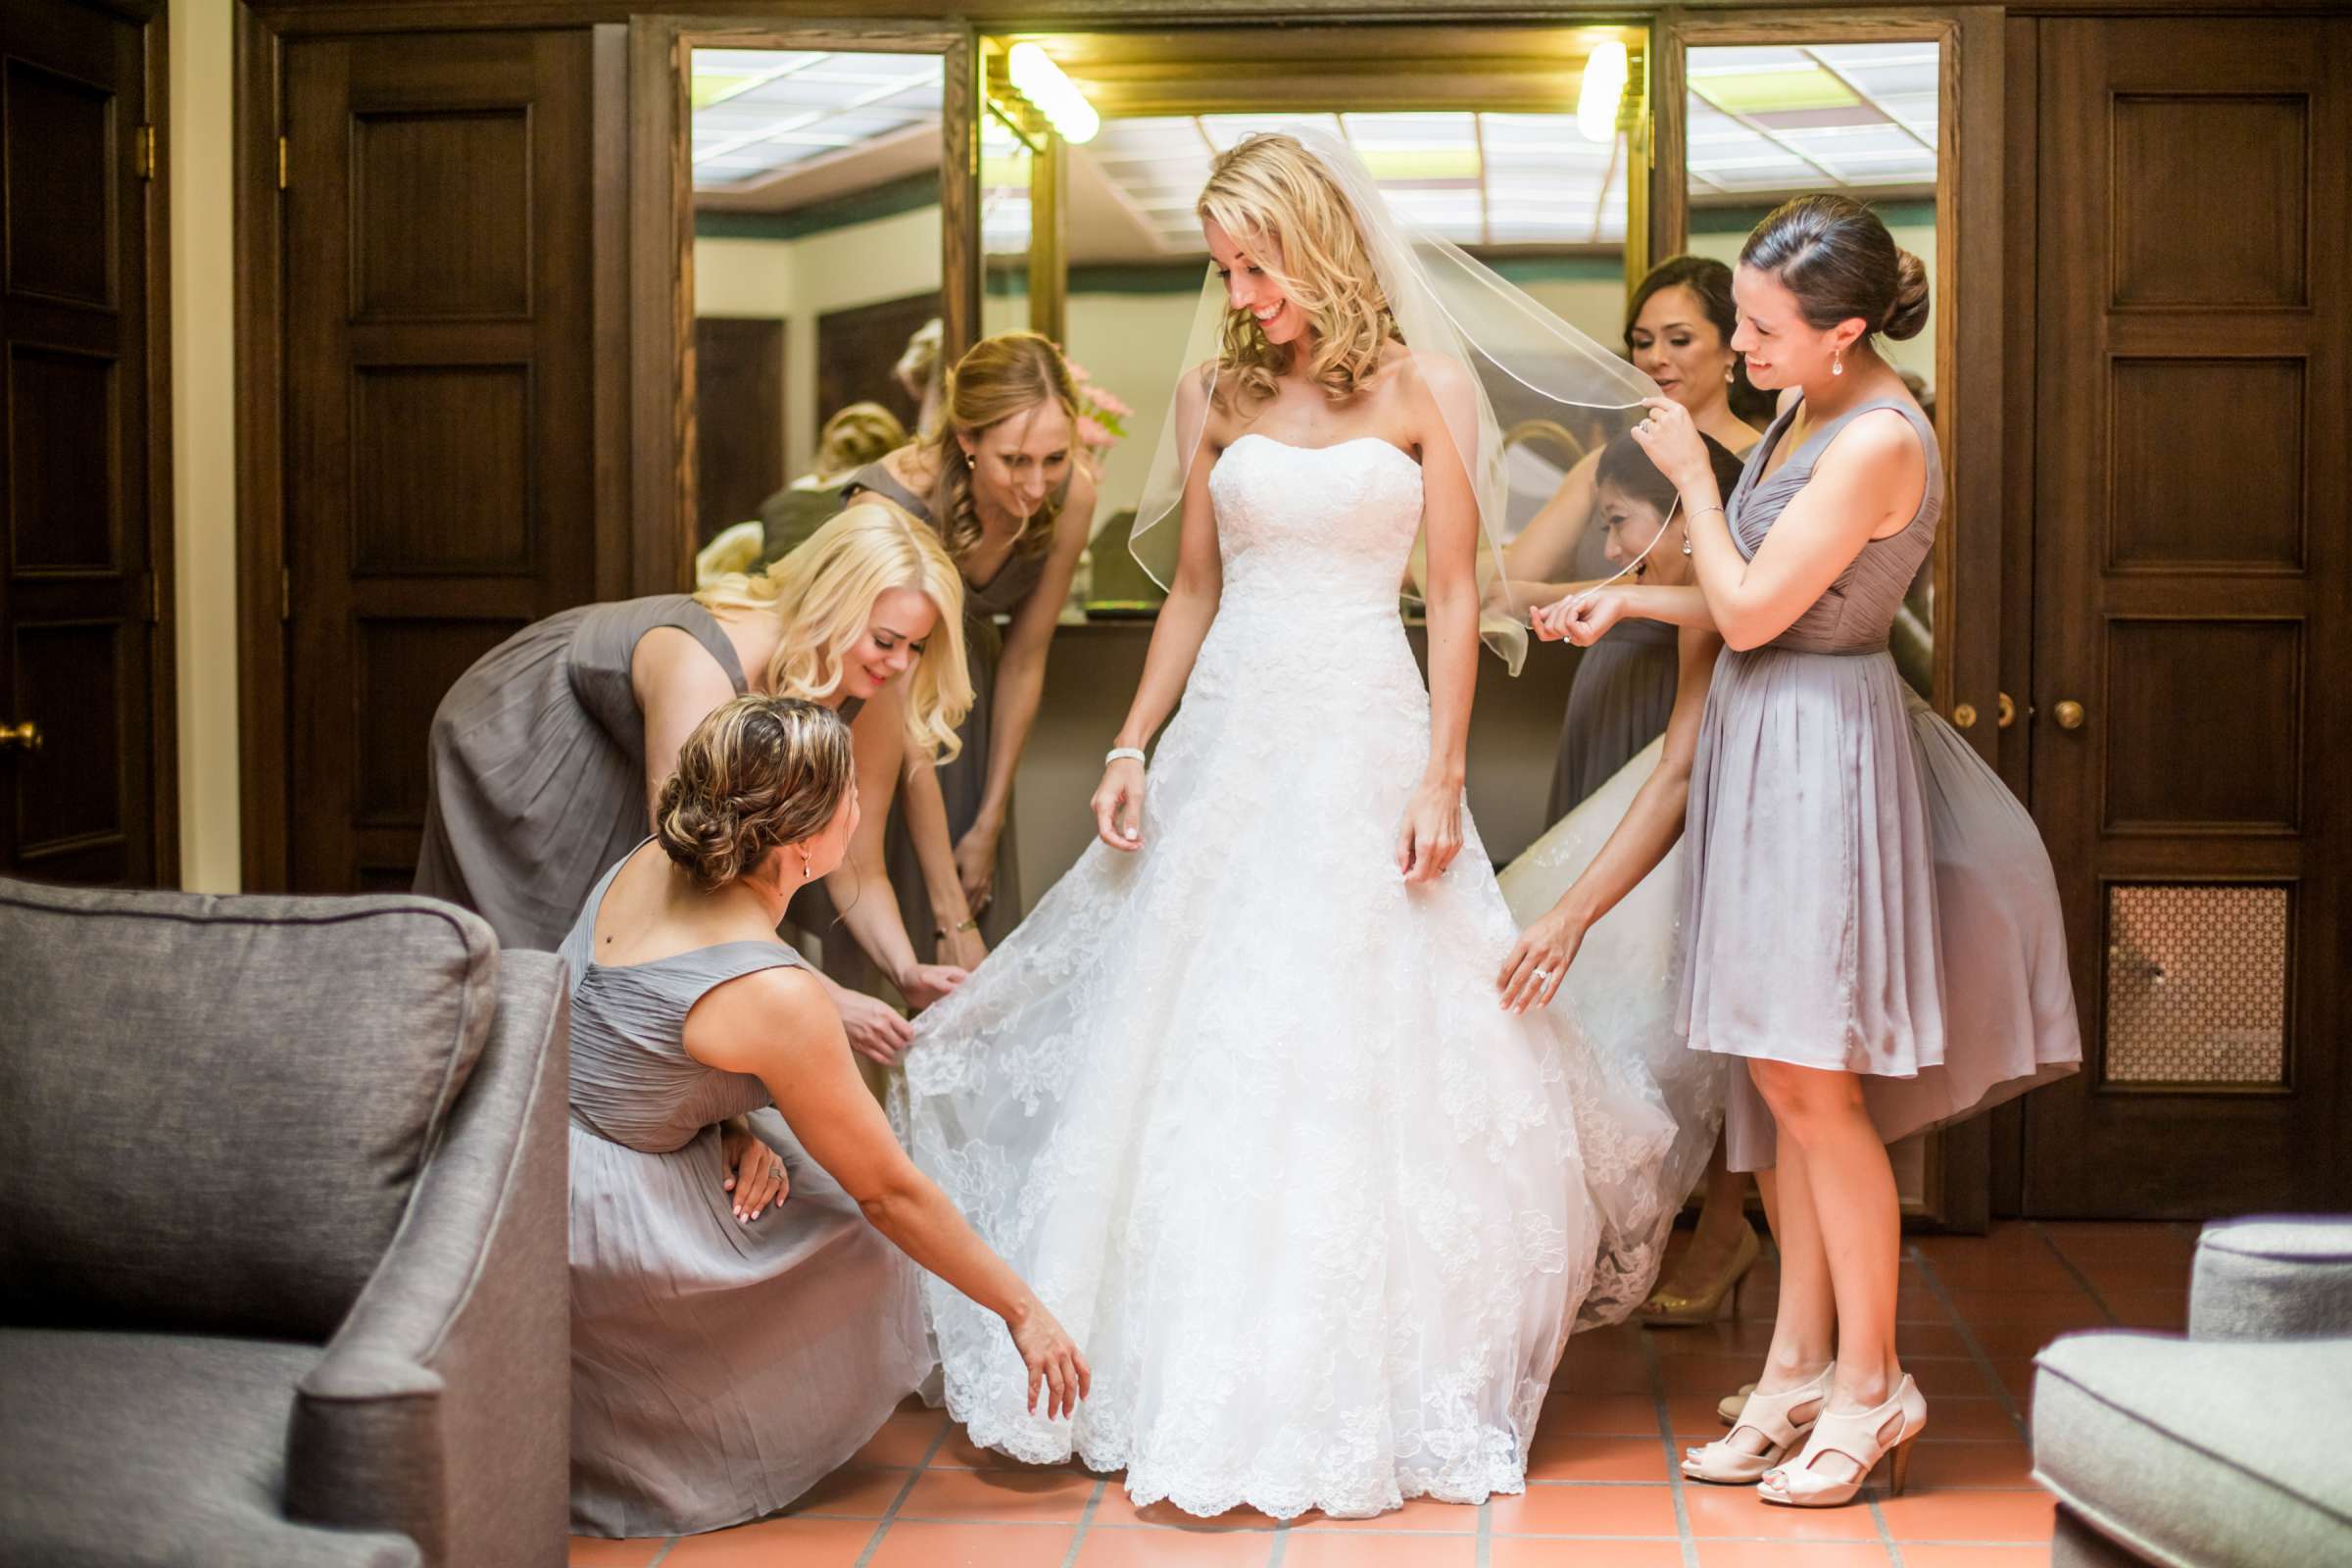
(285, 593)
(281, 163)
(146, 152)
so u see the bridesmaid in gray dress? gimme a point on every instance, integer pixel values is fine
(1870, 916)
(544, 755)
(1001, 480)
(744, 1306)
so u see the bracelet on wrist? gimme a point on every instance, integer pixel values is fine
(1123, 754)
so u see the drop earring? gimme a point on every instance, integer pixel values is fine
(1837, 362)
(804, 865)
(1685, 538)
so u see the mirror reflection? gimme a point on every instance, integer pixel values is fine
(816, 283)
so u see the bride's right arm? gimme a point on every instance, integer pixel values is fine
(778, 1025)
(1176, 638)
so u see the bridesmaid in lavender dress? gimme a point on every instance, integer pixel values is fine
(1871, 919)
(744, 1303)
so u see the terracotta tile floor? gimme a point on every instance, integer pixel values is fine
(1600, 1493)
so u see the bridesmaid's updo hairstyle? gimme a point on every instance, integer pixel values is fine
(757, 773)
(1838, 258)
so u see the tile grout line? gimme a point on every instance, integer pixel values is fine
(1666, 1440)
(2082, 1279)
(1968, 1337)
(667, 1547)
(1895, 1553)
(873, 1543)
(1085, 1518)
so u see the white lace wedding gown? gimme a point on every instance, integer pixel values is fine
(1244, 1108)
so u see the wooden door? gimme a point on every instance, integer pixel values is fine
(2193, 572)
(439, 457)
(858, 350)
(739, 417)
(83, 703)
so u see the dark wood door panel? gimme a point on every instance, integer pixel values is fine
(436, 227)
(2191, 583)
(739, 417)
(79, 558)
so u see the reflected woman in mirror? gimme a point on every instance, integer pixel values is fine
(1677, 331)
(1001, 480)
(1870, 920)
(547, 756)
(855, 436)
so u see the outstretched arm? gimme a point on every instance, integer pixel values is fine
(1652, 826)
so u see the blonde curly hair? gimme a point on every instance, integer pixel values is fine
(1269, 193)
(823, 595)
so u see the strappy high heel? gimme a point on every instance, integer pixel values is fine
(1724, 1463)
(1728, 1408)
(1863, 1438)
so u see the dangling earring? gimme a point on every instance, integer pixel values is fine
(1685, 538)
(803, 866)
(1837, 362)
(1730, 376)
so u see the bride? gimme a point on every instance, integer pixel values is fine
(1238, 1099)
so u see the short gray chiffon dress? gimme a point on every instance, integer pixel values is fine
(535, 776)
(1861, 892)
(963, 779)
(718, 1369)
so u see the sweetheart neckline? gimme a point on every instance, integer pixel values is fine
(1293, 445)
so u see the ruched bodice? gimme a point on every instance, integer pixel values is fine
(1853, 614)
(631, 1079)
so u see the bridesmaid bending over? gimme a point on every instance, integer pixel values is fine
(744, 1314)
(546, 754)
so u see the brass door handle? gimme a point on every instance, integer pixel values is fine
(27, 735)
(2070, 714)
(1964, 716)
(2008, 710)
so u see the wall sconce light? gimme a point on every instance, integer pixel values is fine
(1605, 76)
(1035, 77)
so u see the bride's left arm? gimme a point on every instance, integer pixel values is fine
(1432, 835)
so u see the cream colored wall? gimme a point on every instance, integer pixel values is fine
(800, 280)
(204, 485)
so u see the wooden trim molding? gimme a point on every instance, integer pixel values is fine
(263, 807)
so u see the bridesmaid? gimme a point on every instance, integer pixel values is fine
(546, 755)
(1870, 917)
(1678, 333)
(744, 1312)
(1000, 479)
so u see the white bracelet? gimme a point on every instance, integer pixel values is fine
(1121, 753)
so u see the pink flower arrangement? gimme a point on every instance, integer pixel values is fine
(1101, 416)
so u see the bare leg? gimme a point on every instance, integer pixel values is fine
(1804, 1331)
(1851, 1216)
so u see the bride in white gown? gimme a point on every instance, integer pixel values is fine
(1239, 1097)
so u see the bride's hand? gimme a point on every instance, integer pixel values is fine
(1538, 962)
(1432, 835)
(1053, 1360)
(1118, 805)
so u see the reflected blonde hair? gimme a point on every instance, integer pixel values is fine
(822, 594)
(1272, 195)
(757, 773)
(1001, 378)
(859, 434)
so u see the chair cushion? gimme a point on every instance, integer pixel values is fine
(136, 1448)
(2209, 1455)
(2272, 1277)
(211, 1109)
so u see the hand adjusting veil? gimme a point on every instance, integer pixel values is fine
(1525, 364)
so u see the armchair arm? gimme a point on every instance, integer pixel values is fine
(2272, 1277)
(442, 1409)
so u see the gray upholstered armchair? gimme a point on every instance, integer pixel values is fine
(2227, 1448)
(282, 1221)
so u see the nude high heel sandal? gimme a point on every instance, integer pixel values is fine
(1861, 1437)
(1725, 1463)
(1669, 1308)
